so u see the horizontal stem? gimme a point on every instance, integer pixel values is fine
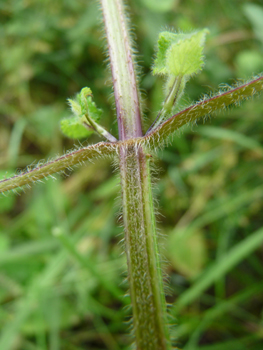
(101, 149)
(154, 139)
(157, 137)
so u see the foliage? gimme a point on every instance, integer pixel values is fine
(210, 186)
(179, 57)
(85, 114)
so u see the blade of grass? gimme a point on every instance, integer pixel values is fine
(25, 305)
(237, 137)
(87, 264)
(227, 206)
(243, 343)
(235, 255)
(27, 250)
(228, 306)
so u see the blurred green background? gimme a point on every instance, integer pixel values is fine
(62, 270)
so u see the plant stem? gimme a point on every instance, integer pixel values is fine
(98, 129)
(169, 102)
(144, 275)
(207, 107)
(39, 172)
(122, 69)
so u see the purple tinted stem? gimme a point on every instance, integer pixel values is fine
(122, 69)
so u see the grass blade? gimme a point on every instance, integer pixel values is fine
(220, 268)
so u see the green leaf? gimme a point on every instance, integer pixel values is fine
(187, 253)
(73, 128)
(82, 98)
(85, 111)
(84, 105)
(180, 54)
(166, 39)
(75, 107)
(93, 112)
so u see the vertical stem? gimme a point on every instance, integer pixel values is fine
(122, 69)
(145, 278)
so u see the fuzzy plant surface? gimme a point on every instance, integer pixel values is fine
(179, 56)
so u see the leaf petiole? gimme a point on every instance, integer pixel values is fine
(91, 124)
(172, 97)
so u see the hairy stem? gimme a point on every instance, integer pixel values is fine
(169, 102)
(101, 149)
(156, 137)
(99, 129)
(145, 278)
(144, 275)
(122, 69)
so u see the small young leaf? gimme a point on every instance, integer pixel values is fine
(84, 106)
(82, 98)
(179, 54)
(166, 39)
(75, 107)
(185, 57)
(93, 112)
(73, 128)
(86, 113)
